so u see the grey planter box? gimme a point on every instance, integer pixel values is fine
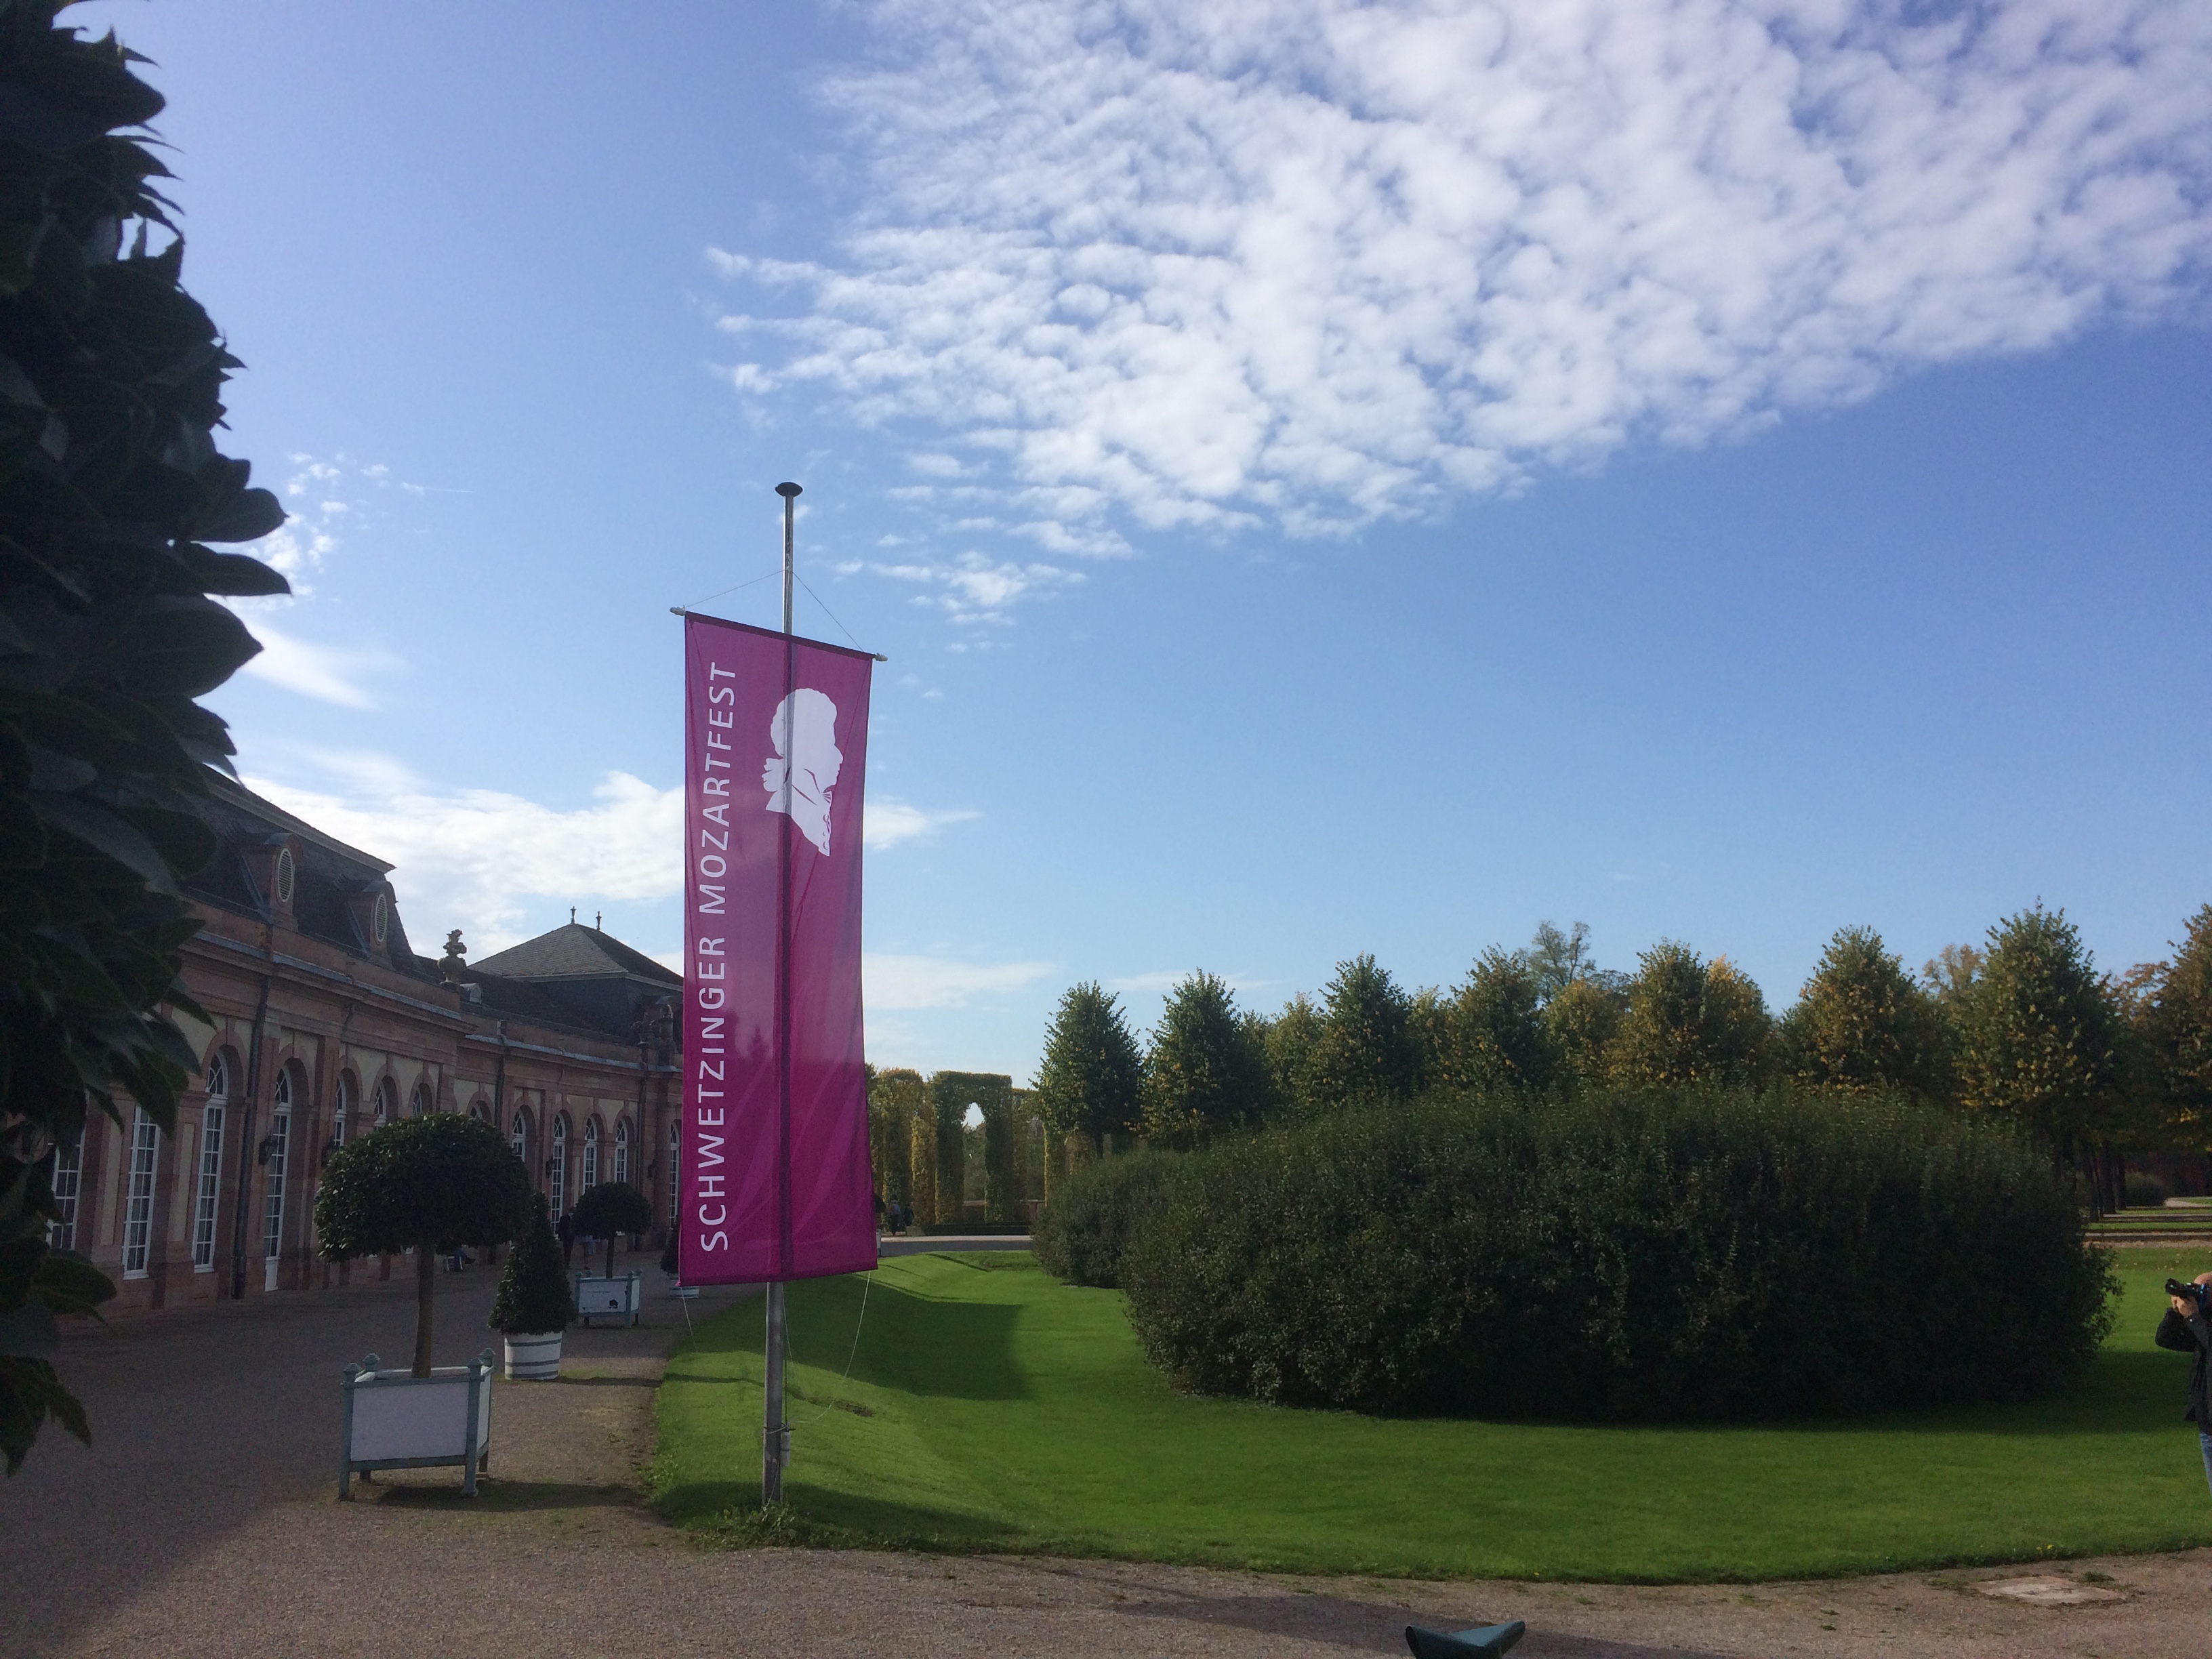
(397, 1420)
(620, 1298)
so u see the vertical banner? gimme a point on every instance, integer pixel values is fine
(775, 1181)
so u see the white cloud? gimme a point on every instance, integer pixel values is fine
(1318, 261)
(917, 981)
(890, 822)
(973, 589)
(327, 673)
(468, 858)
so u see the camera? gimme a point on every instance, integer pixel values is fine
(2200, 1294)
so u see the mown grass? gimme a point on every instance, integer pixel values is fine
(990, 1408)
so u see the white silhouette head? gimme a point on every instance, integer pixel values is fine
(800, 774)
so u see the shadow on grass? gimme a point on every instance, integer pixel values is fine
(931, 1347)
(495, 1495)
(728, 1513)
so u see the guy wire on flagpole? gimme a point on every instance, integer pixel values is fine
(775, 1433)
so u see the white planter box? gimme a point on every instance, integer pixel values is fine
(534, 1358)
(397, 1420)
(620, 1298)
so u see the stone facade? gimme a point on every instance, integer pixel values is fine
(324, 1023)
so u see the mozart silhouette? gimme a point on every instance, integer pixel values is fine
(800, 774)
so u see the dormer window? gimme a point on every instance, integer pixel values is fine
(286, 875)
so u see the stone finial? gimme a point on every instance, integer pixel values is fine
(455, 959)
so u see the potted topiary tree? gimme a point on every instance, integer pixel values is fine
(610, 1208)
(429, 1184)
(532, 1305)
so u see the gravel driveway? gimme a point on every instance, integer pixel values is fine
(202, 1521)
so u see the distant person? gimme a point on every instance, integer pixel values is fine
(566, 1231)
(880, 1215)
(2186, 1330)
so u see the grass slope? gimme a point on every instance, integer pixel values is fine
(991, 1408)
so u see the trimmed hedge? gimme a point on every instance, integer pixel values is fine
(1082, 1231)
(1625, 1257)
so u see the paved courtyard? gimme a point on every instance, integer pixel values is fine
(203, 1520)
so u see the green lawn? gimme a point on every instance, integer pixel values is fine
(990, 1407)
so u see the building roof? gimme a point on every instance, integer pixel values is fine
(575, 952)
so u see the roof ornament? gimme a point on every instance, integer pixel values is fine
(455, 958)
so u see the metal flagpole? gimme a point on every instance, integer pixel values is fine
(775, 1433)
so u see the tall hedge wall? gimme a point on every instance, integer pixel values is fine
(1638, 1257)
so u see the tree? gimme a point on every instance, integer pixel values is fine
(608, 1209)
(1862, 1024)
(111, 491)
(2038, 1033)
(429, 1184)
(1092, 1079)
(1364, 1050)
(896, 1099)
(1690, 1022)
(1556, 960)
(1289, 1042)
(1581, 1021)
(1492, 1034)
(1203, 1074)
(534, 1296)
(2176, 1025)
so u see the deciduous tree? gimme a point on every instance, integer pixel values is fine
(1203, 1074)
(1492, 1034)
(1091, 1080)
(1690, 1022)
(1363, 1050)
(1861, 1023)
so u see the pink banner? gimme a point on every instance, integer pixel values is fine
(775, 1177)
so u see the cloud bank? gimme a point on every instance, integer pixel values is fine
(1313, 263)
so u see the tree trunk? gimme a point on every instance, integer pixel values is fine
(611, 1255)
(426, 1299)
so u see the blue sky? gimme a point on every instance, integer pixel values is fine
(1326, 477)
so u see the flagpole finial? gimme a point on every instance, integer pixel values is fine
(787, 490)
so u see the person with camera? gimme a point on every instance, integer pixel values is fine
(2186, 1329)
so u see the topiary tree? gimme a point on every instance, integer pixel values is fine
(1090, 1081)
(533, 1295)
(1203, 1072)
(1364, 1050)
(2177, 1018)
(428, 1184)
(610, 1208)
(1690, 1022)
(1862, 1024)
(1581, 1020)
(1492, 1034)
(111, 491)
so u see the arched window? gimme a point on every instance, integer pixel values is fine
(518, 1136)
(387, 1101)
(138, 1197)
(69, 1181)
(206, 1188)
(622, 1150)
(418, 1103)
(342, 1116)
(675, 1168)
(480, 1111)
(280, 1148)
(556, 1156)
(590, 1157)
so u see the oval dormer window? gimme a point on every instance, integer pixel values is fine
(380, 923)
(284, 875)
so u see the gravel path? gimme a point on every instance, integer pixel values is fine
(203, 1521)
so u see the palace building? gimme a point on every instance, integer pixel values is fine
(325, 1024)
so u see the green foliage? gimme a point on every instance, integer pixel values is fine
(951, 1093)
(111, 492)
(1581, 1020)
(897, 1098)
(2176, 1028)
(434, 1183)
(1491, 1035)
(1090, 1081)
(1555, 960)
(1690, 1024)
(2145, 1191)
(534, 1296)
(1288, 1042)
(1204, 1072)
(2039, 1037)
(1082, 1232)
(1637, 1255)
(1365, 1049)
(37, 1286)
(610, 1209)
(1862, 1024)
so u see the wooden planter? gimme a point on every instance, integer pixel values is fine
(397, 1420)
(620, 1298)
(533, 1357)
